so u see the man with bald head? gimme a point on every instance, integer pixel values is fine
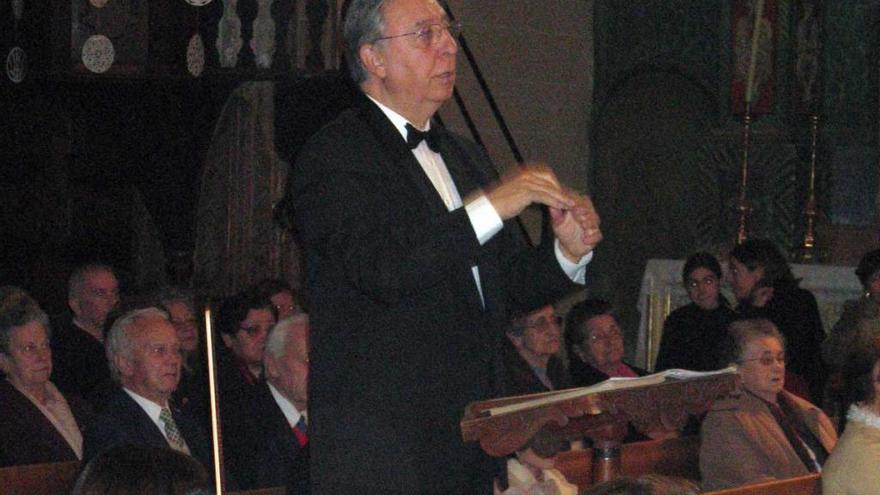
(415, 264)
(143, 352)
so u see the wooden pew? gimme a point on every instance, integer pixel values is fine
(810, 484)
(55, 478)
(672, 457)
(278, 490)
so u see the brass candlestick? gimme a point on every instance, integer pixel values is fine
(742, 205)
(807, 251)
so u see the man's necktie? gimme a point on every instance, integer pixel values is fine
(300, 431)
(175, 439)
(431, 136)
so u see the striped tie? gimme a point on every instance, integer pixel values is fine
(175, 439)
(300, 431)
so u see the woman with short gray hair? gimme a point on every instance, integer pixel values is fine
(39, 424)
(761, 432)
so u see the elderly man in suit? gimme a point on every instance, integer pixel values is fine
(143, 352)
(275, 450)
(414, 264)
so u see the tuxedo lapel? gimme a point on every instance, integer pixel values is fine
(403, 164)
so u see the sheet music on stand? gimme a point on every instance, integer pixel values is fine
(611, 384)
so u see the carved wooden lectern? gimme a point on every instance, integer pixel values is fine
(601, 413)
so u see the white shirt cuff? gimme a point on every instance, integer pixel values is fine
(577, 272)
(484, 219)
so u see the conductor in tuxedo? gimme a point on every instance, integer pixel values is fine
(414, 264)
(143, 352)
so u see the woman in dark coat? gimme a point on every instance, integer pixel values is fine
(692, 334)
(39, 424)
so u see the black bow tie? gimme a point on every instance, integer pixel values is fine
(415, 136)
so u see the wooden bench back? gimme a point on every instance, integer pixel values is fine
(55, 478)
(672, 457)
(810, 484)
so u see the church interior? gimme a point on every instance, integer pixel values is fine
(157, 136)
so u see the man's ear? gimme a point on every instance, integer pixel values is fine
(515, 340)
(5, 363)
(73, 304)
(123, 364)
(373, 59)
(270, 367)
(227, 339)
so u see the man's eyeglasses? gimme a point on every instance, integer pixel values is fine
(429, 35)
(767, 359)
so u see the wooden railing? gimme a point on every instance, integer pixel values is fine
(810, 484)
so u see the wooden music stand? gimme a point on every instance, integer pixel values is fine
(602, 416)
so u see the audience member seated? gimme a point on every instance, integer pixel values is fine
(276, 450)
(856, 329)
(144, 356)
(79, 362)
(529, 355)
(594, 342)
(192, 392)
(282, 296)
(852, 466)
(691, 333)
(243, 322)
(138, 470)
(765, 288)
(39, 424)
(761, 432)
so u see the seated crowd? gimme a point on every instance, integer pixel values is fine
(92, 385)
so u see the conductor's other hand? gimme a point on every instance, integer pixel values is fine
(577, 227)
(528, 184)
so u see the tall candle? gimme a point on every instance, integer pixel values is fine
(753, 56)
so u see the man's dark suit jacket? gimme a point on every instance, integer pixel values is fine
(272, 455)
(124, 422)
(27, 436)
(79, 363)
(401, 342)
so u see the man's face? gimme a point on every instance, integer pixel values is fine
(290, 373)
(29, 362)
(604, 341)
(152, 369)
(702, 288)
(98, 296)
(184, 321)
(249, 341)
(415, 79)
(542, 336)
(284, 304)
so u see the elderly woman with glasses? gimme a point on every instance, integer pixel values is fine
(761, 432)
(595, 344)
(39, 424)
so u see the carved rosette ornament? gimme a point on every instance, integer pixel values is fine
(16, 65)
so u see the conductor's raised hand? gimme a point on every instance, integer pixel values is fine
(576, 228)
(528, 184)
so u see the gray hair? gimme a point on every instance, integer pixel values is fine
(741, 332)
(18, 308)
(119, 339)
(276, 341)
(363, 24)
(78, 279)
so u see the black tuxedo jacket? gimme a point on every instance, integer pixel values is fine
(401, 341)
(123, 422)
